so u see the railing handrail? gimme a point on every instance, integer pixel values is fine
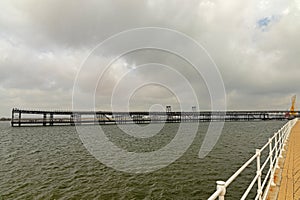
(275, 152)
(240, 170)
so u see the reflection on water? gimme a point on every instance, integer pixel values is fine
(52, 163)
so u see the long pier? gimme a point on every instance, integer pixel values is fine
(21, 117)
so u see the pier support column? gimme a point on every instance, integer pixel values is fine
(20, 115)
(51, 119)
(12, 117)
(98, 119)
(72, 120)
(78, 119)
(44, 119)
(95, 119)
(104, 118)
(168, 113)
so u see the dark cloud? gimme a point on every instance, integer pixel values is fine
(255, 45)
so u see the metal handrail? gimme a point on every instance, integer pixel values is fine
(275, 152)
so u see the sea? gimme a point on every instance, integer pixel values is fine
(53, 163)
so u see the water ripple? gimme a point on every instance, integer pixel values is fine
(51, 163)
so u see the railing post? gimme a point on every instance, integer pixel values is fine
(285, 134)
(271, 162)
(276, 149)
(270, 153)
(281, 143)
(221, 186)
(259, 190)
(276, 145)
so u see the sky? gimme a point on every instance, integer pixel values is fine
(44, 44)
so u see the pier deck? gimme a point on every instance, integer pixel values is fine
(289, 188)
(49, 118)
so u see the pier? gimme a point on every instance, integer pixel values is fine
(272, 179)
(288, 186)
(21, 117)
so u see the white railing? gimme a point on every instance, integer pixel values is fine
(276, 146)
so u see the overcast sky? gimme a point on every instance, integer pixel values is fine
(255, 44)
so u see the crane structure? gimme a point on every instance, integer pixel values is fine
(292, 109)
(292, 113)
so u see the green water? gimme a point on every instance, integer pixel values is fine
(52, 163)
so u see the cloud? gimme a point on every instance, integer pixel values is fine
(43, 44)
